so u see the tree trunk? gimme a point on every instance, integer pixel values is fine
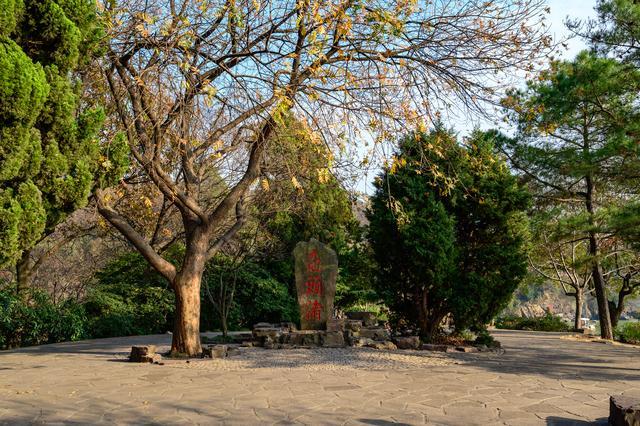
(186, 285)
(186, 328)
(420, 299)
(225, 328)
(428, 320)
(606, 332)
(23, 272)
(577, 323)
(615, 311)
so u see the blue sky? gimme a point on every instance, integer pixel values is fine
(560, 10)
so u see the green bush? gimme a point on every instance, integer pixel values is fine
(258, 296)
(129, 298)
(484, 338)
(448, 230)
(33, 319)
(548, 322)
(381, 311)
(628, 333)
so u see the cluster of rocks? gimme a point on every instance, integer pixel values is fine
(359, 329)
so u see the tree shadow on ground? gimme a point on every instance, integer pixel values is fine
(551, 356)
(379, 422)
(562, 421)
(109, 346)
(540, 354)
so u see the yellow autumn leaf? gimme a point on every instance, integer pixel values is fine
(295, 183)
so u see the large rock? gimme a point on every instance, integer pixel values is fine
(316, 267)
(333, 339)
(624, 411)
(368, 318)
(378, 333)
(407, 342)
(143, 354)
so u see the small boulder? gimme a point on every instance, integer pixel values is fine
(368, 318)
(288, 326)
(353, 325)
(143, 354)
(215, 351)
(333, 339)
(271, 332)
(407, 342)
(377, 333)
(624, 411)
(386, 345)
(433, 347)
(335, 324)
(360, 342)
(307, 338)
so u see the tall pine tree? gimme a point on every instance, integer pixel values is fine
(577, 143)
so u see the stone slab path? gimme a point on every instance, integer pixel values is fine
(541, 379)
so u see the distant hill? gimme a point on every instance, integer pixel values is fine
(532, 301)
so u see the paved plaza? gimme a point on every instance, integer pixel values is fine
(542, 378)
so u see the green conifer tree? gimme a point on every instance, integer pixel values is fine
(50, 157)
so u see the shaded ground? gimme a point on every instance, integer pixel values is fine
(541, 379)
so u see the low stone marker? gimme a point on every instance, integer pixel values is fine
(316, 267)
(624, 411)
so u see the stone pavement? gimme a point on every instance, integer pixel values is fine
(542, 378)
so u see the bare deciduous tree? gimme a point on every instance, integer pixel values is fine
(200, 86)
(565, 262)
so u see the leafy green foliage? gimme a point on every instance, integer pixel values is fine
(548, 322)
(628, 332)
(312, 203)
(129, 298)
(37, 320)
(448, 230)
(619, 30)
(577, 146)
(484, 338)
(258, 295)
(50, 158)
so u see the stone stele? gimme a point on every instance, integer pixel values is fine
(316, 268)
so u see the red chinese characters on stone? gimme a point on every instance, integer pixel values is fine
(313, 311)
(314, 285)
(313, 308)
(313, 261)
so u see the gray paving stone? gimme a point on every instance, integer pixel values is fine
(540, 379)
